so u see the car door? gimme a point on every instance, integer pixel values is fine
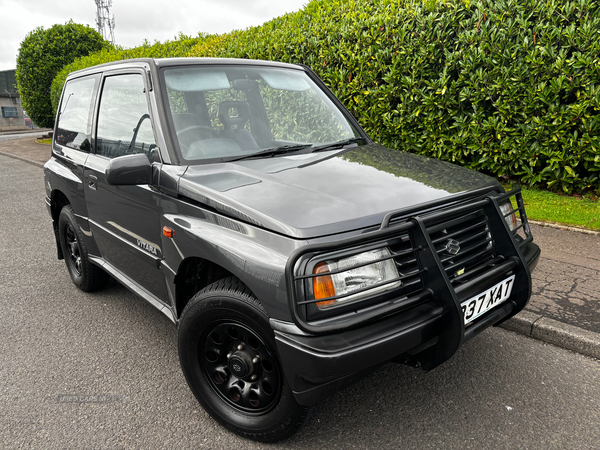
(125, 220)
(71, 144)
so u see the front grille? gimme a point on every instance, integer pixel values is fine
(463, 243)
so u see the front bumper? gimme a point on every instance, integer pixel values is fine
(317, 366)
(425, 334)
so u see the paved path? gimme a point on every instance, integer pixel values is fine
(566, 283)
(565, 305)
(26, 148)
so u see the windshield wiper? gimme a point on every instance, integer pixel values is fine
(270, 152)
(339, 144)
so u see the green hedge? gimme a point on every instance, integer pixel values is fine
(507, 87)
(43, 53)
(170, 49)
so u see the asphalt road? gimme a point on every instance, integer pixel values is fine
(101, 371)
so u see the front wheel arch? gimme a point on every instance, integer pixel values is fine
(195, 274)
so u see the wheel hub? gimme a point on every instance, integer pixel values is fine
(240, 367)
(241, 364)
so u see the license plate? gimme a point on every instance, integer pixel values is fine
(482, 303)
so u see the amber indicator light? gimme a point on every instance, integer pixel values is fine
(323, 286)
(168, 232)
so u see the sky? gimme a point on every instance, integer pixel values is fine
(154, 20)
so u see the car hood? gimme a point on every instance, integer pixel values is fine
(317, 194)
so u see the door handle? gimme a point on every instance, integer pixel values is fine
(93, 182)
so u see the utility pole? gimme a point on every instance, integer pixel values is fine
(105, 21)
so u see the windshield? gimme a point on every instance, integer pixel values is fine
(227, 112)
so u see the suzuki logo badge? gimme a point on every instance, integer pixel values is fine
(452, 246)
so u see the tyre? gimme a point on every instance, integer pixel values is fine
(86, 276)
(228, 356)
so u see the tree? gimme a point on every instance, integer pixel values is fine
(41, 56)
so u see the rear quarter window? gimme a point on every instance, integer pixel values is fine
(74, 127)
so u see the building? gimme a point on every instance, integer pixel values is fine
(12, 116)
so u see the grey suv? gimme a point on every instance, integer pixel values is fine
(294, 254)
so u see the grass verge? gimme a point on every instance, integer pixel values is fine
(45, 141)
(564, 209)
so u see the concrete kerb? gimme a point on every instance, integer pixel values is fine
(555, 332)
(558, 226)
(20, 158)
(25, 131)
(552, 331)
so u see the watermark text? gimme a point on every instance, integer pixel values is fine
(94, 398)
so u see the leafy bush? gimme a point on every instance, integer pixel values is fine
(41, 55)
(507, 87)
(170, 49)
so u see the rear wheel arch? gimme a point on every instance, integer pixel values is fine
(85, 275)
(58, 200)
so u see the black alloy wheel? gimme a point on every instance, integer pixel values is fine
(229, 358)
(73, 256)
(86, 276)
(240, 367)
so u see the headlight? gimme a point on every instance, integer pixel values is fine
(511, 219)
(345, 282)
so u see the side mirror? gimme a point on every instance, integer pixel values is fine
(129, 170)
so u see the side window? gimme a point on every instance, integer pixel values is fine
(74, 127)
(124, 125)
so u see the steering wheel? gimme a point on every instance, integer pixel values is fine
(135, 133)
